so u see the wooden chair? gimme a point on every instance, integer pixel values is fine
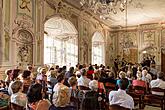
(117, 107)
(83, 88)
(4, 108)
(16, 107)
(109, 87)
(154, 99)
(137, 94)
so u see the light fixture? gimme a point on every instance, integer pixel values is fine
(103, 7)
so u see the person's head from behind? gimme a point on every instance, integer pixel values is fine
(26, 74)
(93, 85)
(15, 74)
(71, 69)
(43, 71)
(34, 93)
(30, 68)
(144, 73)
(8, 72)
(139, 75)
(17, 86)
(53, 74)
(160, 75)
(39, 69)
(80, 67)
(72, 81)
(123, 83)
(60, 78)
(83, 72)
(122, 74)
(90, 67)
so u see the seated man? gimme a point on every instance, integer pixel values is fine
(120, 97)
(158, 83)
(83, 80)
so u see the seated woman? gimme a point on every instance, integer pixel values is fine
(61, 96)
(26, 80)
(26, 77)
(35, 98)
(17, 96)
(8, 73)
(99, 86)
(139, 82)
(74, 92)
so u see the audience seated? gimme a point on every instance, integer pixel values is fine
(83, 80)
(120, 97)
(139, 82)
(8, 74)
(14, 76)
(74, 101)
(17, 97)
(35, 98)
(41, 75)
(96, 85)
(78, 73)
(146, 76)
(122, 75)
(90, 72)
(158, 83)
(61, 96)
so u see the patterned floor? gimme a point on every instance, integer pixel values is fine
(152, 108)
(148, 108)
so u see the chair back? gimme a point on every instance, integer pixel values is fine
(83, 88)
(139, 89)
(117, 107)
(158, 90)
(16, 107)
(4, 108)
(109, 85)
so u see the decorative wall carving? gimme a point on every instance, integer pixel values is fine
(26, 7)
(24, 43)
(7, 46)
(60, 8)
(1, 24)
(22, 22)
(127, 42)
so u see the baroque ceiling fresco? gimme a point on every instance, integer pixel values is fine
(138, 12)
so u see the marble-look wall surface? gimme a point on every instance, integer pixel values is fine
(85, 24)
(22, 32)
(140, 42)
(1, 54)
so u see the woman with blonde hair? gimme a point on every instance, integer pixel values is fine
(17, 97)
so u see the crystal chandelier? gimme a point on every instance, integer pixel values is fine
(105, 6)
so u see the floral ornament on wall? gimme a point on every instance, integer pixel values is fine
(23, 53)
(24, 4)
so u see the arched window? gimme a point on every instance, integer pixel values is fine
(98, 48)
(60, 42)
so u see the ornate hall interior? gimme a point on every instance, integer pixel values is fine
(133, 33)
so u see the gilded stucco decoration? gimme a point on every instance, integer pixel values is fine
(149, 43)
(60, 8)
(111, 46)
(23, 36)
(128, 46)
(163, 41)
(22, 22)
(24, 47)
(85, 42)
(26, 7)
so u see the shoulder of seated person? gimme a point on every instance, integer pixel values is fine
(44, 101)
